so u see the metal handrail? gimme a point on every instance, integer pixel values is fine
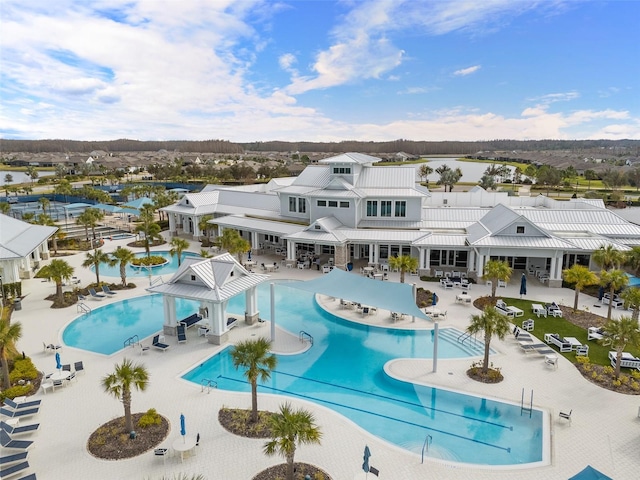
(208, 384)
(427, 441)
(304, 335)
(133, 340)
(82, 307)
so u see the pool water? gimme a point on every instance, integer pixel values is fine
(133, 272)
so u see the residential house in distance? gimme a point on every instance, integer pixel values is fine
(348, 209)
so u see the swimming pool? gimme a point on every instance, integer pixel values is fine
(168, 268)
(460, 428)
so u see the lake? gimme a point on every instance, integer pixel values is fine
(21, 177)
(472, 172)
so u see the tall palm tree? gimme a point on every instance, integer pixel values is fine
(631, 298)
(94, 260)
(424, 171)
(178, 246)
(9, 335)
(254, 356)
(495, 270)
(204, 226)
(614, 280)
(122, 256)
(58, 271)
(148, 227)
(290, 428)
(126, 376)
(608, 257)
(633, 259)
(491, 323)
(581, 277)
(404, 263)
(622, 332)
(232, 242)
(44, 203)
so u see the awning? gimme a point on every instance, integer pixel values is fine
(395, 297)
(107, 208)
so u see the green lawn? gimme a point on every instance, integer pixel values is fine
(598, 354)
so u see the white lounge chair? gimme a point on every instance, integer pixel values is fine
(158, 344)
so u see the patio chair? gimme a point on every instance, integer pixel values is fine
(161, 452)
(231, 322)
(107, 290)
(144, 348)
(13, 458)
(7, 442)
(82, 298)
(66, 367)
(181, 330)
(582, 351)
(13, 470)
(18, 405)
(25, 412)
(46, 385)
(158, 344)
(97, 296)
(19, 429)
(78, 367)
(566, 416)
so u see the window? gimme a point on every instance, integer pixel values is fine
(317, 227)
(385, 208)
(372, 208)
(292, 204)
(333, 203)
(401, 209)
(322, 203)
(520, 229)
(302, 205)
(344, 204)
(342, 170)
(193, 278)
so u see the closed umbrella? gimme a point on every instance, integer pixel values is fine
(249, 256)
(367, 454)
(523, 285)
(434, 299)
(58, 364)
(183, 427)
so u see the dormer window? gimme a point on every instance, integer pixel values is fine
(193, 278)
(317, 227)
(342, 170)
(520, 229)
(186, 201)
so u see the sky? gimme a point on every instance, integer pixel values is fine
(297, 70)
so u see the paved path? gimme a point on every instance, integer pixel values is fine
(605, 431)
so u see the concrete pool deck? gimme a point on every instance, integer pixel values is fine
(605, 430)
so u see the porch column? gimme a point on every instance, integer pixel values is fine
(480, 266)
(371, 252)
(217, 323)
(291, 250)
(255, 244)
(471, 261)
(251, 312)
(376, 254)
(172, 223)
(196, 227)
(170, 321)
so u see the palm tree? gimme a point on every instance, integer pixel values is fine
(424, 171)
(495, 270)
(492, 323)
(44, 203)
(205, 227)
(5, 208)
(290, 428)
(58, 271)
(622, 332)
(404, 263)
(44, 219)
(608, 257)
(123, 257)
(581, 277)
(9, 335)
(614, 280)
(631, 297)
(204, 253)
(95, 259)
(178, 245)
(120, 382)
(254, 356)
(633, 259)
(148, 227)
(232, 242)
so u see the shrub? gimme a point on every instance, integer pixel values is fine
(152, 260)
(150, 418)
(608, 370)
(634, 385)
(16, 391)
(636, 374)
(616, 383)
(23, 369)
(583, 360)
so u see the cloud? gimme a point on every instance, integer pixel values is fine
(286, 61)
(556, 97)
(467, 71)
(417, 90)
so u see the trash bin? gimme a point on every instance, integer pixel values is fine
(17, 304)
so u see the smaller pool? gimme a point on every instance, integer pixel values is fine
(121, 236)
(170, 267)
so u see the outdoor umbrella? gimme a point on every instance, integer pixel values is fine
(367, 454)
(434, 299)
(590, 473)
(183, 427)
(523, 285)
(58, 364)
(600, 293)
(249, 256)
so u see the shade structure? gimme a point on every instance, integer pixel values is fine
(137, 204)
(434, 299)
(107, 208)
(183, 426)
(58, 364)
(523, 285)
(590, 473)
(367, 454)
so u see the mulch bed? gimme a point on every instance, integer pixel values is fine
(111, 440)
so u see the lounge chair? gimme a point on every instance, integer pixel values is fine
(231, 322)
(24, 412)
(31, 476)
(532, 347)
(7, 442)
(181, 330)
(13, 458)
(82, 298)
(107, 290)
(18, 405)
(158, 344)
(19, 429)
(555, 339)
(97, 296)
(50, 347)
(13, 470)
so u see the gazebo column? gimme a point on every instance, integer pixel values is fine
(251, 312)
(255, 241)
(170, 320)
(217, 324)
(291, 250)
(172, 224)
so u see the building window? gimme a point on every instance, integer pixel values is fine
(372, 208)
(344, 204)
(333, 203)
(322, 203)
(193, 278)
(342, 170)
(385, 208)
(302, 205)
(520, 229)
(292, 204)
(401, 209)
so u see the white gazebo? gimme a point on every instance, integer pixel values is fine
(212, 282)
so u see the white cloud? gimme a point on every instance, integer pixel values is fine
(467, 71)
(557, 97)
(286, 61)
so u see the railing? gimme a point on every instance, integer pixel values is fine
(304, 335)
(425, 446)
(206, 383)
(131, 341)
(525, 409)
(156, 281)
(82, 307)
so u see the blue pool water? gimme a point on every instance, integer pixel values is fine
(343, 370)
(133, 272)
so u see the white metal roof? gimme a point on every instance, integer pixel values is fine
(351, 157)
(520, 241)
(18, 239)
(259, 225)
